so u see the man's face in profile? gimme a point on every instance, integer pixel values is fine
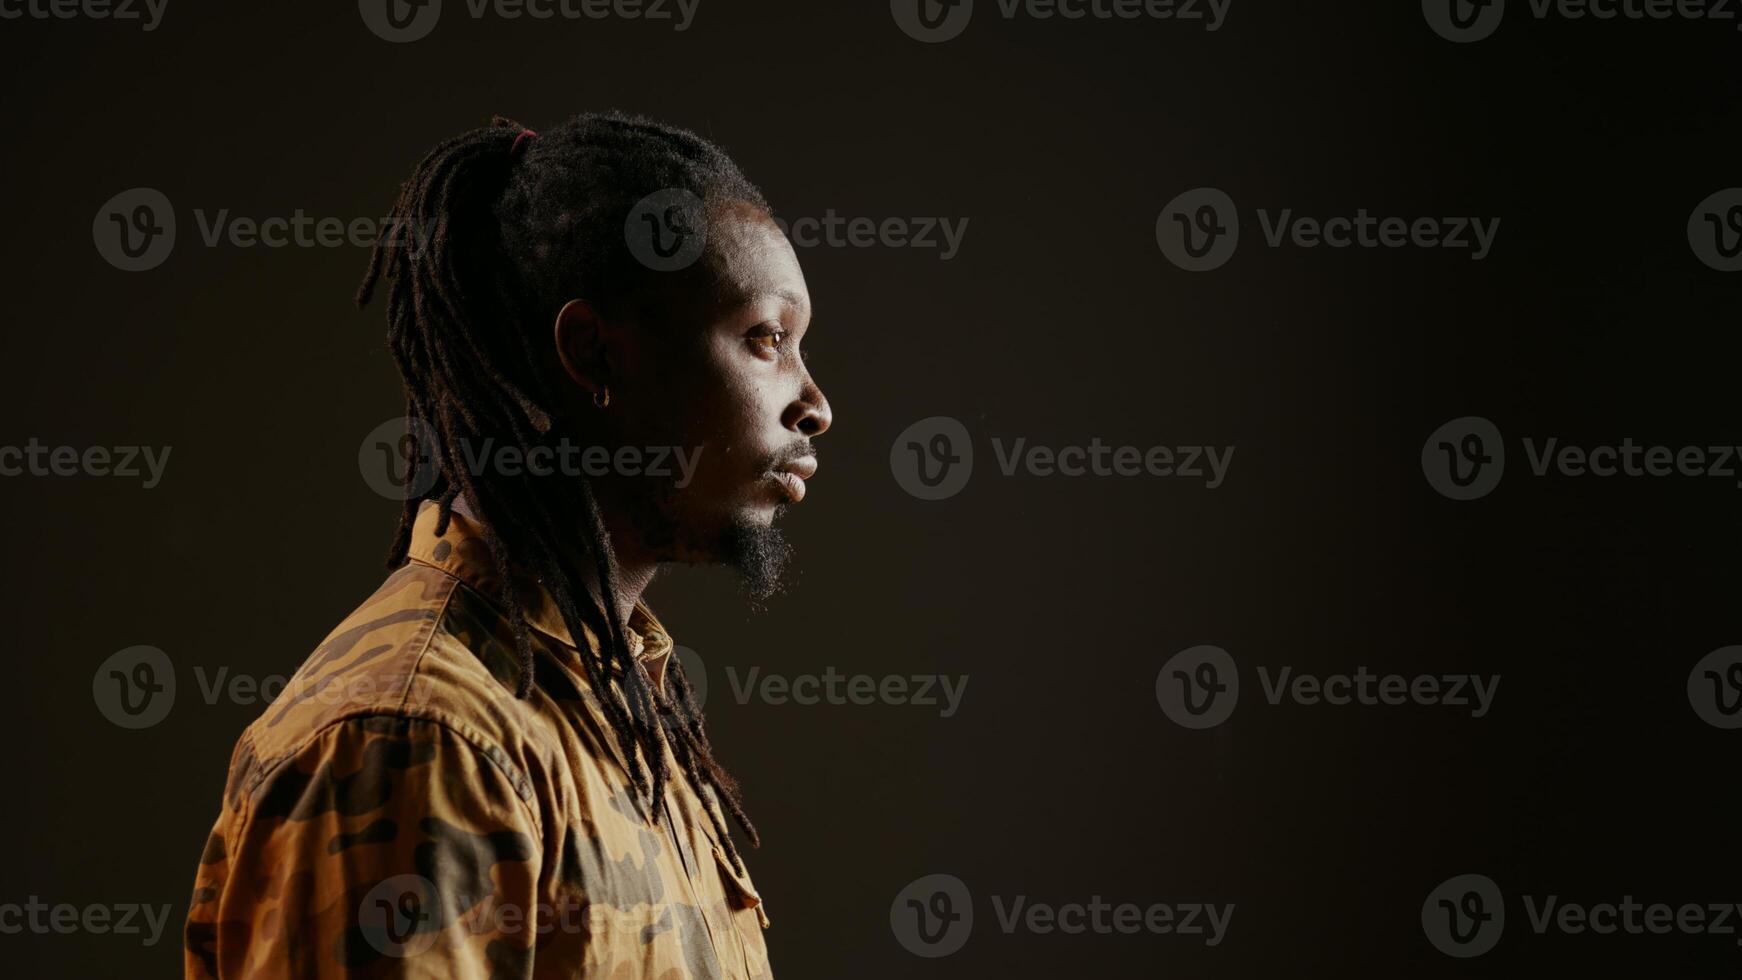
(721, 383)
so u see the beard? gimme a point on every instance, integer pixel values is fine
(760, 554)
(757, 551)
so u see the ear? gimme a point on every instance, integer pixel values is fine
(582, 345)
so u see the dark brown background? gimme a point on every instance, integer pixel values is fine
(1059, 321)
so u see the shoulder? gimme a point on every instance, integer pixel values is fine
(423, 665)
(368, 809)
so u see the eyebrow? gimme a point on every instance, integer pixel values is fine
(792, 298)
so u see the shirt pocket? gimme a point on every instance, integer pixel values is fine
(744, 907)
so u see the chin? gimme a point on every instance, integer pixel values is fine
(760, 553)
(762, 515)
(761, 503)
(745, 540)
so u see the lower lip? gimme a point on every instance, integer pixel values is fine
(793, 486)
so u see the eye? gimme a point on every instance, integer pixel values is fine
(768, 338)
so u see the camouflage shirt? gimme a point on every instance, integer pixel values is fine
(396, 812)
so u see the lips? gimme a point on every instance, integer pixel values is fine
(792, 474)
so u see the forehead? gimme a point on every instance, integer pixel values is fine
(750, 262)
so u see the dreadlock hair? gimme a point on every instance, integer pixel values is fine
(507, 230)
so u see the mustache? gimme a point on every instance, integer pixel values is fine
(795, 451)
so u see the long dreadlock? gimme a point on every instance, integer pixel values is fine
(505, 234)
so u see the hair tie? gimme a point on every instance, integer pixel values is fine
(514, 149)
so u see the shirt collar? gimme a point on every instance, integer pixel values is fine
(464, 553)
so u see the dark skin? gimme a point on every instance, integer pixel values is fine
(720, 372)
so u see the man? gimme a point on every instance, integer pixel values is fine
(494, 767)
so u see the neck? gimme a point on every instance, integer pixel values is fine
(635, 572)
(635, 567)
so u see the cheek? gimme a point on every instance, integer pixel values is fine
(720, 405)
(732, 425)
(674, 397)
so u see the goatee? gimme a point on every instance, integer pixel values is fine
(760, 553)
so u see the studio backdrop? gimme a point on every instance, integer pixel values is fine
(1280, 516)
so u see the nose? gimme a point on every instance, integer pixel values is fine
(810, 414)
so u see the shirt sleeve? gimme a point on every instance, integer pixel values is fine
(386, 847)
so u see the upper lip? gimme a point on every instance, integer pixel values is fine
(803, 467)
